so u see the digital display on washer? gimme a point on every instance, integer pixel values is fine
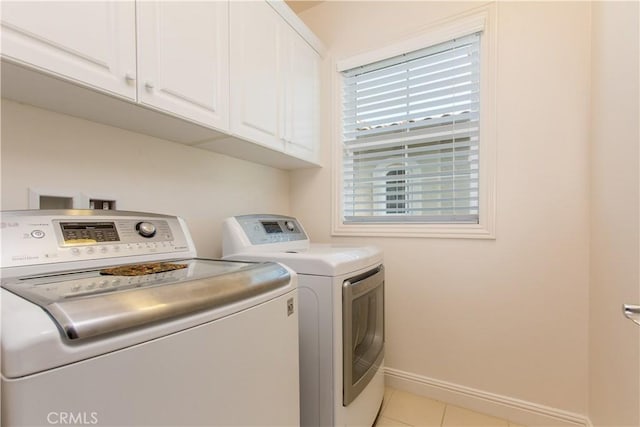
(271, 227)
(89, 232)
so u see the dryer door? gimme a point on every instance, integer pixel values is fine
(362, 331)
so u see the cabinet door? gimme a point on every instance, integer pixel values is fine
(255, 81)
(90, 42)
(302, 98)
(183, 50)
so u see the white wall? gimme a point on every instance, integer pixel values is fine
(511, 320)
(615, 214)
(54, 152)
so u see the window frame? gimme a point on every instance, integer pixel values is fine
(480, 19)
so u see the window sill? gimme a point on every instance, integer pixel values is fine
(441, 231)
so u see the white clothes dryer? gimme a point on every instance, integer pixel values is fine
(341, 315)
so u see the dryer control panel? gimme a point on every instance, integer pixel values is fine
(263, 231)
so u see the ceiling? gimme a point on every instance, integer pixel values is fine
(299, 6)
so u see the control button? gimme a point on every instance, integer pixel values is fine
(103, 283)
(75, 288)
(116, 248)
(290, 225)
(37, 234)
(91, 285)
(90, 250)
(75, 251)
(103, 249)
(146, 229)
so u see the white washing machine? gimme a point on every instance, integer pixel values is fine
(341, 316)
(108, 318)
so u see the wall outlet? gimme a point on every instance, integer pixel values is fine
(107, 205)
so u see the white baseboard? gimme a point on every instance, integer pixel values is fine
(515, 410)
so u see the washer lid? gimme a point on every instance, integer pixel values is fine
(320, 259)
(89, 303)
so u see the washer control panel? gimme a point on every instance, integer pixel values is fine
(58, 236)
(87, 232)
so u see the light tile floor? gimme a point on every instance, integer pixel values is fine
(400, 408)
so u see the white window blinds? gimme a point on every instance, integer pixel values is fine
(411, 134)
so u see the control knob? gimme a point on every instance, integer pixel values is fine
(290, 225)
(146, 229)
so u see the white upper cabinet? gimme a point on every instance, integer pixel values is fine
(237, 77)
(182, 47)
(91, 42)
(255, 33)
(301, 97)
(274, 81)
(183, 65)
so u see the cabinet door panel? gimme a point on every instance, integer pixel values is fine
(89, 42)
(303, 98)
(183, 59)
(255, 83)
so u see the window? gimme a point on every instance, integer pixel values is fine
(421, 107)
(412, 148)
(396, 192)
